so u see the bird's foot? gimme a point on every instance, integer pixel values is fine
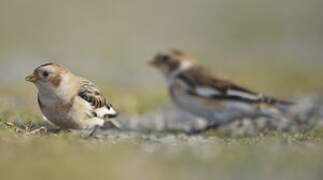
(41, 130)
(94, 131)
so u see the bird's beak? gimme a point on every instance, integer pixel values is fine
(31, 78)
(152, 63)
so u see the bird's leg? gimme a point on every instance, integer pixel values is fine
(41, 130)
(95, 129)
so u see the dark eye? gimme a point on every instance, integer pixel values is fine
(164, 58)
(45, 73)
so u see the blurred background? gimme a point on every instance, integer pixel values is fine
(272, 46)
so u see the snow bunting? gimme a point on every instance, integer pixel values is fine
(216, 98)
(69, 101)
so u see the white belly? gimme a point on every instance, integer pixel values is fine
(77, 116)
(216, 111)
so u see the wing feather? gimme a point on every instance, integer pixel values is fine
(202, 83)
(90, 93)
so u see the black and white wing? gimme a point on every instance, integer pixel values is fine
(200, 82)
(101, 107)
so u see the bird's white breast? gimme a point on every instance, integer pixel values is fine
(75, 116)
(216, 111)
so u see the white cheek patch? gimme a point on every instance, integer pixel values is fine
(242, 94)
(185, 64)
(207, 92)
(65, 83)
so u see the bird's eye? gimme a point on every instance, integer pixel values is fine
(164, 58)
(45, 73)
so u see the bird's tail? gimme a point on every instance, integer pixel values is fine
(282, 105)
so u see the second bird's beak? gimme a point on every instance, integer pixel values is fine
(31, 78)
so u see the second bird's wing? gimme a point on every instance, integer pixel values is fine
(198, 81)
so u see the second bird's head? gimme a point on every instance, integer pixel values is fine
(172, 62)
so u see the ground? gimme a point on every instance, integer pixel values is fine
(151, 154)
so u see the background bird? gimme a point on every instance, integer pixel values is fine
(216, 98)
(69, 101)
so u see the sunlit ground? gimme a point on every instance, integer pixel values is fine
(67, 156)
(212, 155)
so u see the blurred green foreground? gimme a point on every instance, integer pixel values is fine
(69, 157)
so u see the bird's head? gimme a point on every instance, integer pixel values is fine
(51, 78)
(172, 62)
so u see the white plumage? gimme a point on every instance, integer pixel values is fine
(198, 91)
(69, 101)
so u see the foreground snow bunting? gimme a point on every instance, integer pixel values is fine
(69, 101)
(215, 98)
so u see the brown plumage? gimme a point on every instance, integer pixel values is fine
(199, 76)
(69, 101)
(89, 92)
(197, 90)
